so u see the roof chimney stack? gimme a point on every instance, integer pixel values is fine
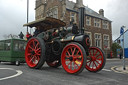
(101, 12)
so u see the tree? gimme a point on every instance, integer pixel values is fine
(115, 46)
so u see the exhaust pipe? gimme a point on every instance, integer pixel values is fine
(81, 19)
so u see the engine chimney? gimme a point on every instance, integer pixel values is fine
(81, 19)
(79, 3)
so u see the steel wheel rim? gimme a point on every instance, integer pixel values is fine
(72, 65)
(33, 52)
(95, 59)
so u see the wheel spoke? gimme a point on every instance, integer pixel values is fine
(67, 56)
(98, 56)
(92, 65)
(31, 59)
(99, 59)
(90, 53)
(38, 54)
(38, 49)
(95, 64)
(88, 61)
(77, 64)
(31, 48)
(73, 51)
(78, 60)
(95, 53)
(69, 63)
(74, 66)
(33, 42)
(67, 60)
(29, 54)
(36, 45)
(68, 53)
(77, 52)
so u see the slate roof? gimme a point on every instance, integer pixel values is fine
(70, 6)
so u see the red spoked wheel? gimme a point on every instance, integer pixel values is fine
(73, 58)
(96, 60)
(54, 64)
(35, 53)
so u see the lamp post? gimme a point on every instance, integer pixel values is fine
(122, 33)
(27, 12)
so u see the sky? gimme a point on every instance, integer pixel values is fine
(13, 14)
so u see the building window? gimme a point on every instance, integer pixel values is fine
(105, 24)
(72, 17)
(98, 40)
(53, 12)
(90, 36)
(88, 20)
(106, 41)
(97, 23)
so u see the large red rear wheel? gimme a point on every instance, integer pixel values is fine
(73, 58)
(35, 53)
(96, 60)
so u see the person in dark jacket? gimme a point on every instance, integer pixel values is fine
(75, 29)
(21, 35)
(38, 31)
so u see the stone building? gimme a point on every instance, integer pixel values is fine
(96, 25)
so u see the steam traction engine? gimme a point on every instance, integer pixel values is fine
(58, 45)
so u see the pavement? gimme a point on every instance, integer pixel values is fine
(120, 69)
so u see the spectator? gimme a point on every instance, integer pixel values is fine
(28, 36)
(21, 35)
(75, 29)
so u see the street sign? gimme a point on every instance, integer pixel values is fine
(121, 31)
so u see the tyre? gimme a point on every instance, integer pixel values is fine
(17, 63)
(35, 53)
(73, 58)
(96, 60)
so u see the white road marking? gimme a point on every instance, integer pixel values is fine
(117, 71)
(19, 72)
(106, 70)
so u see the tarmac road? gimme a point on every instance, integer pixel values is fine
(23, 75)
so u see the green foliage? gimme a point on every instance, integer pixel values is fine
(115, 46)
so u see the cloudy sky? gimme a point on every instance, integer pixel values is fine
(13, 14)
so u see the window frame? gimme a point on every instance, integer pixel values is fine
(97, 23)
(88, 20)
(108, 47)
(105, 24)
(99, 34)
(74, 17)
